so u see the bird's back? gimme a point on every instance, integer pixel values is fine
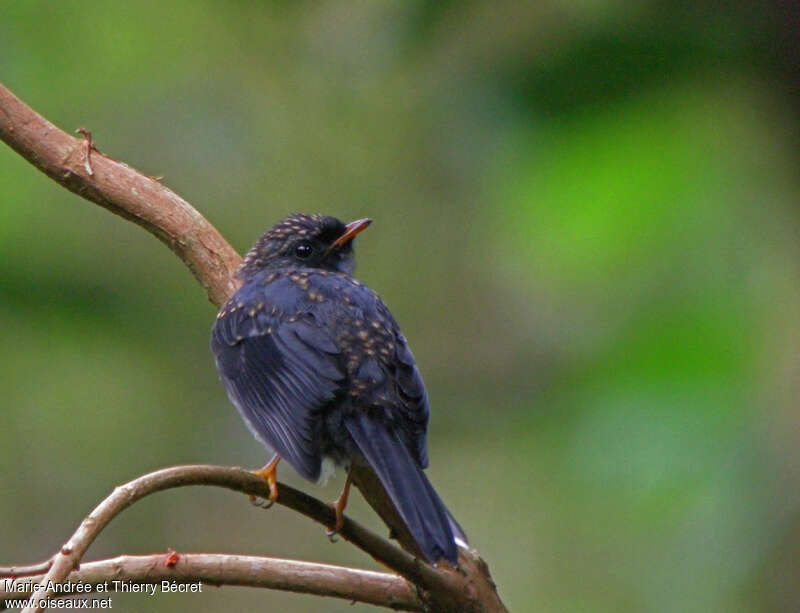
(351, 327)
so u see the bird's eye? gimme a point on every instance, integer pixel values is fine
(303, 251)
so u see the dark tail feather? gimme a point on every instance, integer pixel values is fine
(458, 532)
(423, 512)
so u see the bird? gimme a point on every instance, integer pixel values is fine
(317, 367)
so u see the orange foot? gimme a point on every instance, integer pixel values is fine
(339, 506)
(270, 474)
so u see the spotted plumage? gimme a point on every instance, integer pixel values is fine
(318, 368)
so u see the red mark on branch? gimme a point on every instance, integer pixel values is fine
(172, 558)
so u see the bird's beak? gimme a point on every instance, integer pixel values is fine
(350, 231)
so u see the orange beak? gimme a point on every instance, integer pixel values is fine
(350, 231)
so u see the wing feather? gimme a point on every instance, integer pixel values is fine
(279, 374)
(413, 402)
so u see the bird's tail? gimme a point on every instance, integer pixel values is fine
(430, 523)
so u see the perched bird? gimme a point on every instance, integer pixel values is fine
(319, 370)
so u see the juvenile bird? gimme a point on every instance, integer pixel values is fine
(321, 374)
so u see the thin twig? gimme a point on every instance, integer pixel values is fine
(87, 163)
(381, 589)
(30, 569)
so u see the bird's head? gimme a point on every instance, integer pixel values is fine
(305, 241)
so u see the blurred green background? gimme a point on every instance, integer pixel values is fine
(586, 221)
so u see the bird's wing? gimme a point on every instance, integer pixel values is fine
(413, 402)
(279, 373)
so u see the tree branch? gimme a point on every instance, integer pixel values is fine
(141, 199)
(124, 191)
(69, 556)
(380, 589)
(26, 570)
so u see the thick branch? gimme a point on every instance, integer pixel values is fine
(124, 191)
(217, 569)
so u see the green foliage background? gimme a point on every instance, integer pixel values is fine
(586, 222)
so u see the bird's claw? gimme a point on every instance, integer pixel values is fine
(338, 524)
(261, 503)
(268, 474)
(338, 507)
